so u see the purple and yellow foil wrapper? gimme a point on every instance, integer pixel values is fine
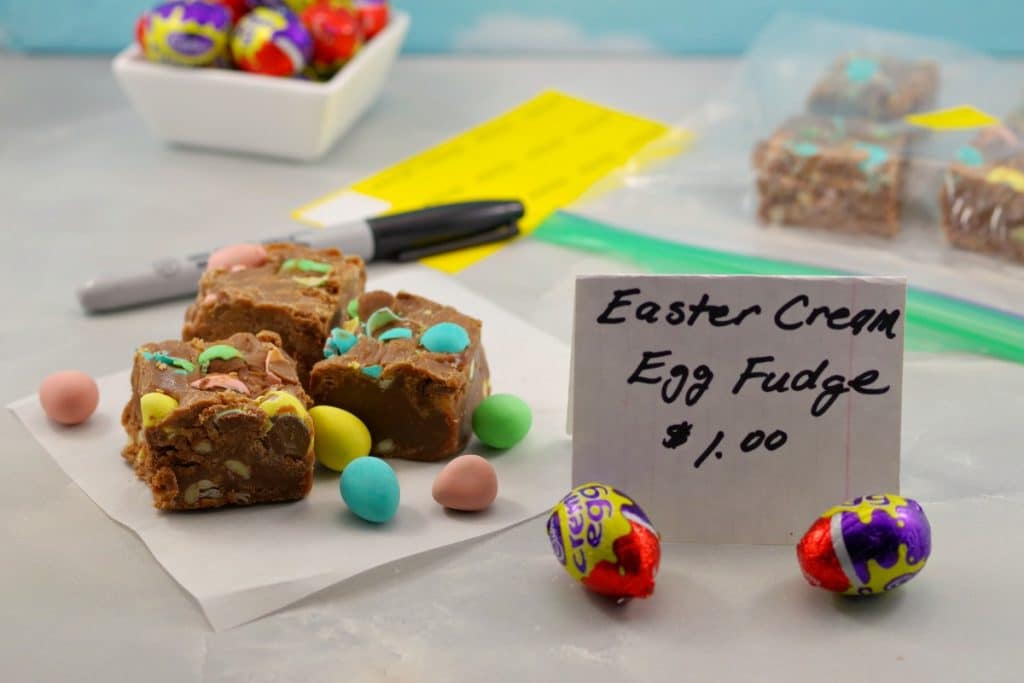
(271, 42)
(185, 33)
(605, 541)
(867, 546)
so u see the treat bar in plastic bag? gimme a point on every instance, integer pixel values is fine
(838, 166)
(903, 153)
(877, 88)
(982, 197)
(842, 174)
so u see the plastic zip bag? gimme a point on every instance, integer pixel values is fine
(707, 197)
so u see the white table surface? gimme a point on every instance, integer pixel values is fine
(84, 185)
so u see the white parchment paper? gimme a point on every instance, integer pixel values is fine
(241, 564)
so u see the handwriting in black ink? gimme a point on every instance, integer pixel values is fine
(710, 449)
(677, 435)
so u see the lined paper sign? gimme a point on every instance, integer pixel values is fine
(736, 409)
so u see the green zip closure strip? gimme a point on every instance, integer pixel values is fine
(935, 322)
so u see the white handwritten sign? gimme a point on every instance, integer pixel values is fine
(735, 409)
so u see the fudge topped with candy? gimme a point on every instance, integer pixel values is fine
(982, 196)
(410, 368)
(852, 149)
(875, 87)
(219, 423)
(297, 292)
(833, 173)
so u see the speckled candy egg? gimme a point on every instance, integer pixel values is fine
(866, 546)
(370, 489)
(69, 396)
(605, 541)
(271, 42)
(192, 33)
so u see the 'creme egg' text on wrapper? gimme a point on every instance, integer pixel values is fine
(605, 541)
(867, 546)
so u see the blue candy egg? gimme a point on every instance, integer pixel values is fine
(370, 489)
(445, 338)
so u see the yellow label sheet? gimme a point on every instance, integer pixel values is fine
(546, 152)
(954, 118)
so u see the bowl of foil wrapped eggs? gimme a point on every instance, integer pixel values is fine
(280, 78)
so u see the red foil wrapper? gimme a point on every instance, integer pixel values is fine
(867, 546)
(605, 541)
(633, 577)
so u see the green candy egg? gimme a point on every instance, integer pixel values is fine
(370, 489)
(502, 420)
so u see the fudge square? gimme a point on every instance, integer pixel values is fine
(834, 173)
(219, 423)
(876, 88)
(982, 196)
(300, 293)
(412, 369)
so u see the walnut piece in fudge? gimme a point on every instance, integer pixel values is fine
(219, 423)
(834, 173)
(411, 369)
(300, 293)
(876, 88)
(982, 199)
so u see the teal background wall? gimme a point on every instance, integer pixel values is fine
(577, 26)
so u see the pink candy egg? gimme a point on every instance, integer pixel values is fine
(468, 483)
(244, 255)
(69, 396)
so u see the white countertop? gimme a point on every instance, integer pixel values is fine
(86, 186)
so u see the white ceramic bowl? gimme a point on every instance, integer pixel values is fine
(244, 112)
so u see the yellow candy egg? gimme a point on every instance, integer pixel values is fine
(273, 402)
(156, 407)
(341, 437)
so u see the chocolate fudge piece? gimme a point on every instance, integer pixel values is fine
(300, 293)
(219, 423)
(833, 173)
(982, 198)
(411, 369)
(876, 88)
